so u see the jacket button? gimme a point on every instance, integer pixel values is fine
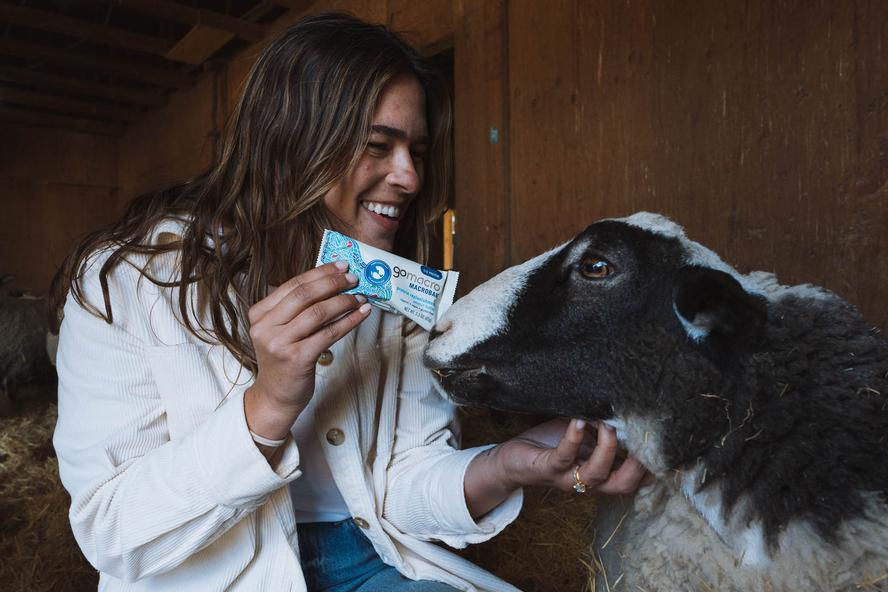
(361, 523)
(326, 358)
(335, 436)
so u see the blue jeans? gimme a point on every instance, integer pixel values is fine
(337, 557)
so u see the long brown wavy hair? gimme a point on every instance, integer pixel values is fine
(301, 124)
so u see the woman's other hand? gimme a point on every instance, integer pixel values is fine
(290, 328)
(548, 454)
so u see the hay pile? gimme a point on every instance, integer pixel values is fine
(545, 549)
(36, 545)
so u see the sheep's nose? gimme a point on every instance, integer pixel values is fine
(440, 329)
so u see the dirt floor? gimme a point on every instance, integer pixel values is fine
(544, 550)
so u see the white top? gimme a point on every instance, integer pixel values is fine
(168, 490)
(315, 496)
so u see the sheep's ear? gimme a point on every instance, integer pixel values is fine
(711, 303)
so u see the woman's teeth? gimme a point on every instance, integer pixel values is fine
(389, 211)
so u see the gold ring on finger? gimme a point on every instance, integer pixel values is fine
(579, 485)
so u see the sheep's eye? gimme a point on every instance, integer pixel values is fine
(595, 268)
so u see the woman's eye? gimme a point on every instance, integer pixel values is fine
(377, 146)
(595, 268)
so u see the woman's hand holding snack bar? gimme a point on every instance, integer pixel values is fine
(290, 328)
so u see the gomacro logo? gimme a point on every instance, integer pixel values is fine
(432, 273)
(422, 281)
(377, 272)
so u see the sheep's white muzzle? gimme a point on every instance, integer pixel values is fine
(479, 315)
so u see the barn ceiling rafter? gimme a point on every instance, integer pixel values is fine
(96, 65)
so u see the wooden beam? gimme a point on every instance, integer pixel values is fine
(292, 4)
(126, 70)
(66, 105)
(59, 121)
(199, 44)
(427, 25)
(57, 23)
(74, 86)
(261, 10)
(180, 13)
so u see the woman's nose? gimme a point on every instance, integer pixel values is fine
(404, 173)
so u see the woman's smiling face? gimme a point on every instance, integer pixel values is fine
(371, 199)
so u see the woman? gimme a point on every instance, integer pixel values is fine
(228, 419)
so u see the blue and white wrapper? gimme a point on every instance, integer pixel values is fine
(390, 282)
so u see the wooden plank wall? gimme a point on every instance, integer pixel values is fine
(760, 125)
(480, 133)
(55, 185)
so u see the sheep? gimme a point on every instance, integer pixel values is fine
(27, 347)
(761, 408)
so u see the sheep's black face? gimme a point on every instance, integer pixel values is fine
(581, 331)
(537, 338)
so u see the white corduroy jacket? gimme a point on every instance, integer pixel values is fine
(168, 490)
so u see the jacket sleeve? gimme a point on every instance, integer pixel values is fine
(141, 504)
(425, 495)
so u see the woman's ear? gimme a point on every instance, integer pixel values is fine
(712, 304)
